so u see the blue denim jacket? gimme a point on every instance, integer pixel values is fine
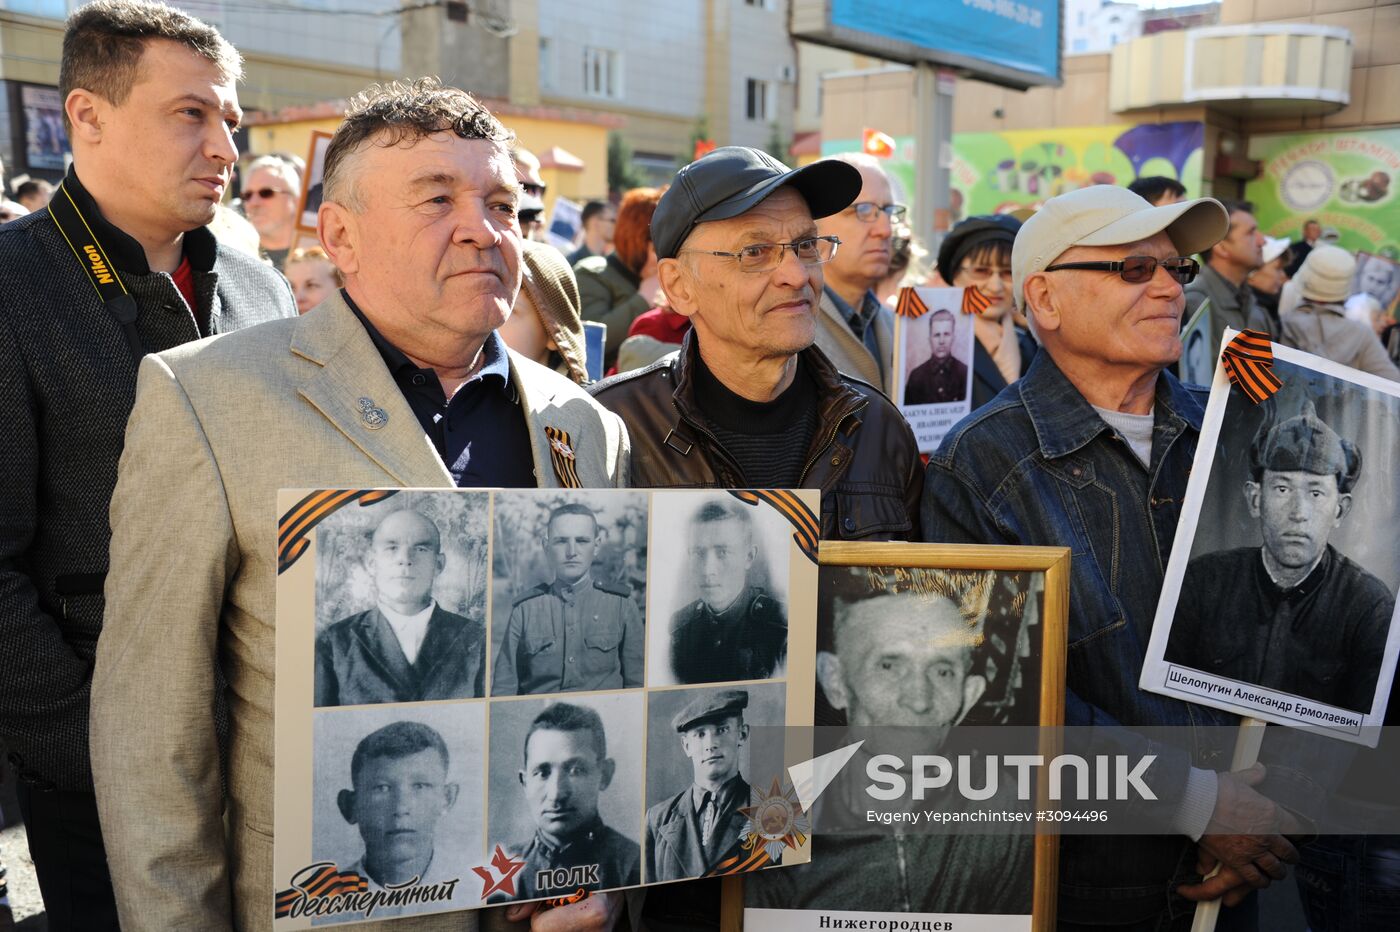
(1038, 466)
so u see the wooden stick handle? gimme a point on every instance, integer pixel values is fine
(1247, 744)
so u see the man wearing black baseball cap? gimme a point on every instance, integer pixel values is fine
(748, 401)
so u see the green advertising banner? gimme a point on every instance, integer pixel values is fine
(999, 172)
(1343, 180)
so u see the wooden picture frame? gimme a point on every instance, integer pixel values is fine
(315, 168)
(1052, 565)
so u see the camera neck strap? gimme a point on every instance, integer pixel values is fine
(87, 249)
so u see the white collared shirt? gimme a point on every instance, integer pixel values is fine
(409, 629)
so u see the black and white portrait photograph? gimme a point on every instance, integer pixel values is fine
(397, 799)
(907, 655)
(1279, 600)
(312, 192)
(568, 591)
(934, 358)
(566, 791)
(702, 766)
(1378, 277)
(721, 590)
(1198, 356)
(401, 600)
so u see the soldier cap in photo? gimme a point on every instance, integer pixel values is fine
(716, 707)
(1303, 443)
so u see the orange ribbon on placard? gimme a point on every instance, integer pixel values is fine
(974, 301)
(1249, 362)
(910, 304)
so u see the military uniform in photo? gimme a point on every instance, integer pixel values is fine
(937, 381)
(566, 638)
(1322, 638)
(360, 660)
(617, 856)
(691, 833)
(746, 641)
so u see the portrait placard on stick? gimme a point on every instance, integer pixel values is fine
(1279, 598)
(934, 344)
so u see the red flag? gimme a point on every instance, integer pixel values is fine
(873, 142)
(703, 147)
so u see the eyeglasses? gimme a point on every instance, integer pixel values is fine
(763, 257)
(264, 193)
(534, 190)
(869, 211)
(1139, 269)
(979, 274)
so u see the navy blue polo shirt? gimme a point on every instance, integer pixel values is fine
(480, 434)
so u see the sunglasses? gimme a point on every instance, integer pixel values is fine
(1139, 269)
(534, 190)
(264, 193)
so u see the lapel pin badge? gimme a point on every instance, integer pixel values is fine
(373, 415)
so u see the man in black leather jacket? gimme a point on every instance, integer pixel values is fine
(749, 402)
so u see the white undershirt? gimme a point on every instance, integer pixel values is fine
(1134, 428)
(409, 629)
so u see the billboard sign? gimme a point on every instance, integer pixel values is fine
(1011, 42)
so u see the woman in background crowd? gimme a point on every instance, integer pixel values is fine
(312, 275)
(1267, 282)
(977, 254)
(1319, 324)
(544, 325)
(618, 288)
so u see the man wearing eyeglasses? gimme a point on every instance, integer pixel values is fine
(749, 401)
(1091, 449)
(854, 329)
(271, 191)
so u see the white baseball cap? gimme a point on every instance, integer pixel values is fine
(1107, 215)
(1273, 248)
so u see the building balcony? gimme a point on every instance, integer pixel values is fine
(1251, 70)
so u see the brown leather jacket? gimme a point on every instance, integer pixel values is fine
(863, 459)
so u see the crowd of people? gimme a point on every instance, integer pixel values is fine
(750, 345)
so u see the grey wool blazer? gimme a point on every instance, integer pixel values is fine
(218, 427)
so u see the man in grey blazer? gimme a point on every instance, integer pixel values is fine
(854, 329)
(399, 380)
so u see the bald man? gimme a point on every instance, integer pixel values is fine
(407, 648)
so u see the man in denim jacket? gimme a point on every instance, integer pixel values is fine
(1091, 449)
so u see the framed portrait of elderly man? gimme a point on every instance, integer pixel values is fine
(934, 357)
(916, 642)
(1279, 599)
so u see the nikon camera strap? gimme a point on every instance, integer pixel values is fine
(93, 258)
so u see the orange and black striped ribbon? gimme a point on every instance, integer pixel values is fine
(1249, 362)
(974, 301)
(561, 454)
(328, 881)
(910, 304)
(311, 511)
(807, 528)
(741, 863)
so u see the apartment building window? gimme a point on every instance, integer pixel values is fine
(547, 63)
(602, 72)
(758, 92)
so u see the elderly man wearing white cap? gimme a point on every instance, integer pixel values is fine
(1091, 449)
(1319, 325)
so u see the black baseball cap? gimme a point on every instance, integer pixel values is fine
(732, 179)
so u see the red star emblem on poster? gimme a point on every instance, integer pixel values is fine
(506, 866)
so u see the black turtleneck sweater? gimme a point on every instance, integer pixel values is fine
(769, 440)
